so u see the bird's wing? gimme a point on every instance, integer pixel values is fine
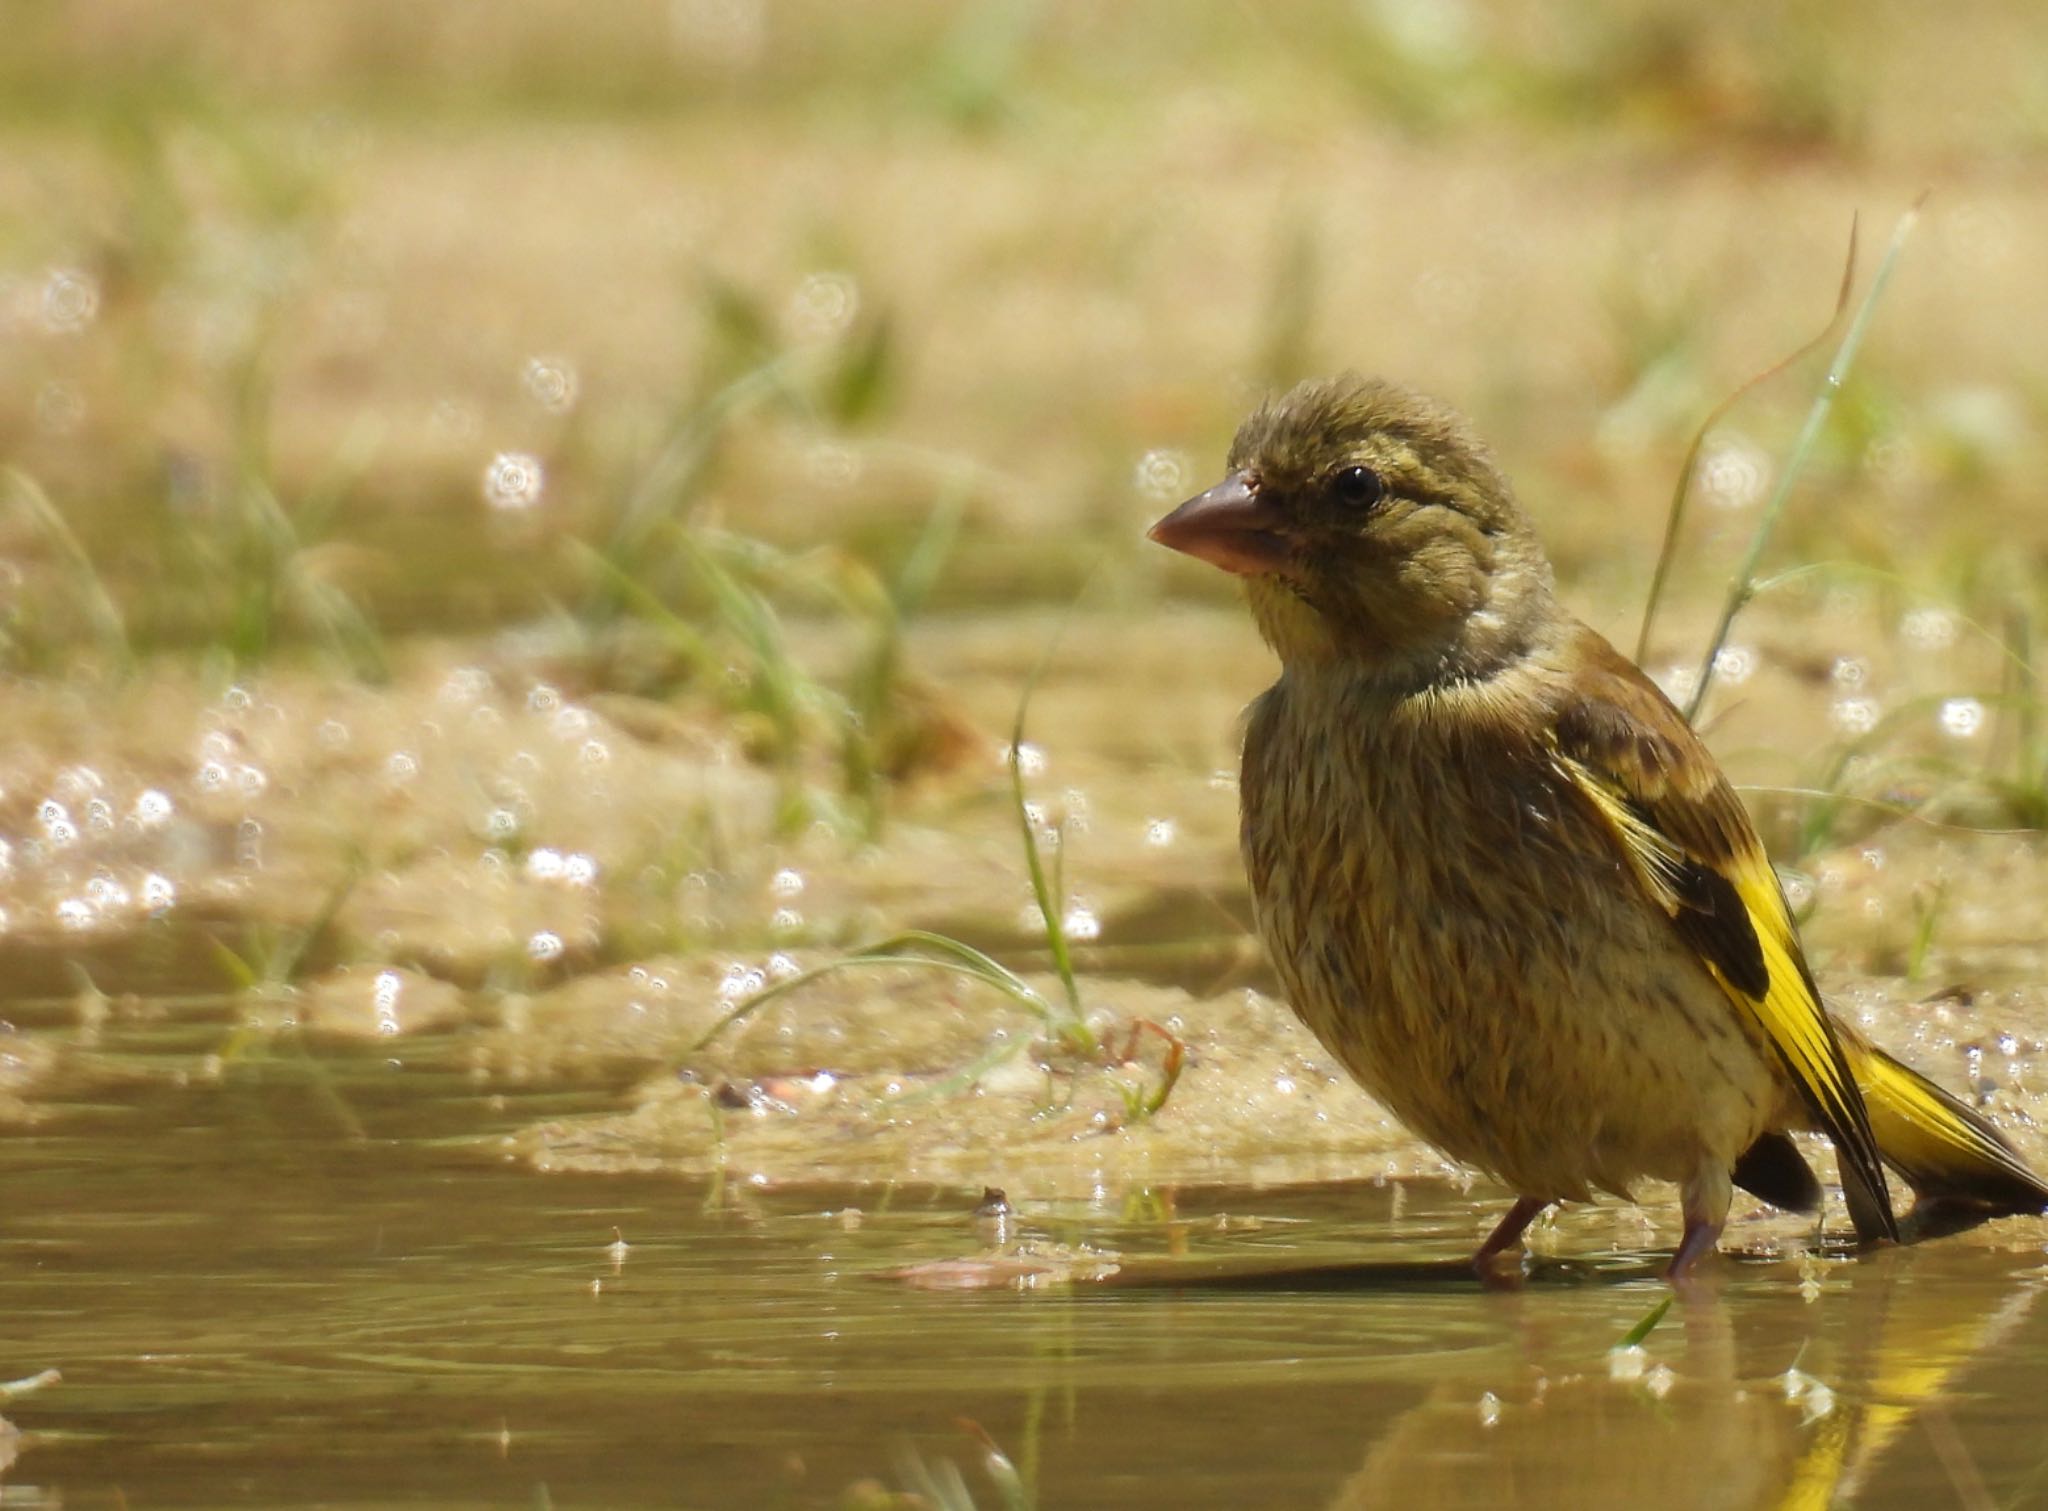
(1691, 845)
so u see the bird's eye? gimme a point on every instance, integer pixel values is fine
(1358, 486)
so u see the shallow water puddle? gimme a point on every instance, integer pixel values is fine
(253, 1302)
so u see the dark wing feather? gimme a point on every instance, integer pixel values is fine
(1774, 1169)
(1692, 846)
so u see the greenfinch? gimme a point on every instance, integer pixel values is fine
(1500, 877)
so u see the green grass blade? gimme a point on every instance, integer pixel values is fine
(749, 616)
(2000, 645)
(100, 607)
(1034, 863)
(1675, 516)
(952, 956)
(1634, 1337)
(933, 547)
(666, 481)
(997, 1053)
(682, 635)
(1741, 586)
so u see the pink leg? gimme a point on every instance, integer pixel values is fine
(1700, 1238)
(1509, 1230)
(1705, 1198)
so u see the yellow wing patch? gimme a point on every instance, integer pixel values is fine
(1791, 1011)
(1734, 918)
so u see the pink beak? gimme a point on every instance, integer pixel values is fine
(1228, 527)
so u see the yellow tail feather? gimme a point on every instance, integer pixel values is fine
(1948, 1153)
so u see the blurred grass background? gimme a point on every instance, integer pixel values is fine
(331, 326)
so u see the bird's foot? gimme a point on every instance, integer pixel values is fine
(1488, 1264)
(1700, 1238)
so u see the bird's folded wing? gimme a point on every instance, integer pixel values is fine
(1690, 844)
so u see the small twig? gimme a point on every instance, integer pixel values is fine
(29, 1384)
(1169, 1072)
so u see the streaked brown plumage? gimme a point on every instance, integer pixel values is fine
(1498, 874)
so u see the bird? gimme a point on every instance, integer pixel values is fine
(1503, 881)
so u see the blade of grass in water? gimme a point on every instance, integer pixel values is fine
(1743, 584)
(1049, 908)
(871, 960)
(918, 947)
(1634, 1336)
(943, 953)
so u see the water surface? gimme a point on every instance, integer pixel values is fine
(255, 1299)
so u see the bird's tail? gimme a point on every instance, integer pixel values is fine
(1961, 1168)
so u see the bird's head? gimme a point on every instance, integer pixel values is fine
(1371, 527)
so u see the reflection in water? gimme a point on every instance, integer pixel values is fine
(318, 1279)
(1719, 1429)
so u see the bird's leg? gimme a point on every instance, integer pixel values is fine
(1705, 1199)
(1508, 1231)
(1701, 1234)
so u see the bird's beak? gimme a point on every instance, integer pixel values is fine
(1228, 527)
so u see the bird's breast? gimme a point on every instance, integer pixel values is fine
(1446, 918)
